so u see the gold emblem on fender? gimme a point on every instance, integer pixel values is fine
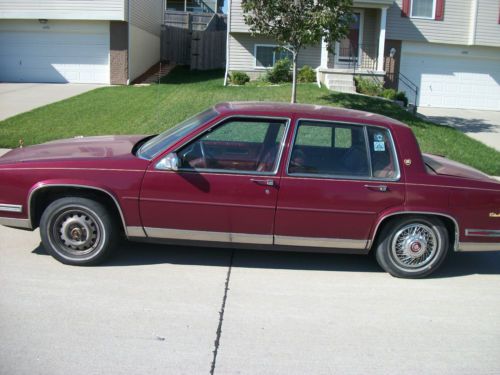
(494, 214)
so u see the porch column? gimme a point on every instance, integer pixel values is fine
(324, 54)
(381, 39)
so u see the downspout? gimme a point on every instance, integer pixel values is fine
(226, 75)
(128, 42)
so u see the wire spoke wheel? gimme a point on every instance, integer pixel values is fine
(414, 246)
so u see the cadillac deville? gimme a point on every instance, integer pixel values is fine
(257, 175)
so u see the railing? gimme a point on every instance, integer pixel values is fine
(194, 6)
(396, 78)
(362, 56)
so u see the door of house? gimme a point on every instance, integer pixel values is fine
(348, 49)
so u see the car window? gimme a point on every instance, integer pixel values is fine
(333, 149)
(382, 155)
(325, 148)
(238, 145)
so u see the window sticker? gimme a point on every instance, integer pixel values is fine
(378, 146)
(379, 137)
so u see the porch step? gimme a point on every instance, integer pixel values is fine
(340, 82)
(349, 89)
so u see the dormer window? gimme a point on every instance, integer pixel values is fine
(423, 9)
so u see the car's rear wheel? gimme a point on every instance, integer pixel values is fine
(412, 247)
(78, 231)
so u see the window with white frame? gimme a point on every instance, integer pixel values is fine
(266, 55)
(423, 8)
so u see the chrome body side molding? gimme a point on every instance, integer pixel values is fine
(15, 223)
(337, 243)
(11, 208)
(197, 235)
(137, 232)
(247, 238)
(482, 233)
(479, 246)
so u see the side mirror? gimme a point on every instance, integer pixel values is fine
(168, 163)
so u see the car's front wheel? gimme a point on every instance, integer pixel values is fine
(412, 247)
(78, 231)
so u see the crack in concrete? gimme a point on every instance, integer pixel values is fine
(221, 315)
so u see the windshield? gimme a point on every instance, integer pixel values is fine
(157, 144)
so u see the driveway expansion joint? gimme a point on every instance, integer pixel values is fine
(221, 315)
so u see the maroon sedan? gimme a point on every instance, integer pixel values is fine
(259, 175)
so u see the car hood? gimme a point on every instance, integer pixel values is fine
(75, 148)
(444, 166)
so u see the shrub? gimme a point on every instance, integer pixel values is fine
(368, 86)
(280, 72)
(239, 78)
(401, 96)
(389, 94)
(306, 74)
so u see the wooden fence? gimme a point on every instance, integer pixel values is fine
(202, 50)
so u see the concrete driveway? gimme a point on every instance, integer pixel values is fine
(16, 98)
(178, 310)
(483, 126)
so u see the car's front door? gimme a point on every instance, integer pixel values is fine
(225, 188)
(339, 177)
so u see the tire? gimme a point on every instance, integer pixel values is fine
(413, 247)
(78, 231)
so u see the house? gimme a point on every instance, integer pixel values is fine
(85, 41)
(449, 51)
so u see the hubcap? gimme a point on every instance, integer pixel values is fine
(414, 246)
(76, 232)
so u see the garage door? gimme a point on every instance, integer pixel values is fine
(56, 51)
(467, 78)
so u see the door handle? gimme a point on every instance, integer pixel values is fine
(263, 182)
(382, 188)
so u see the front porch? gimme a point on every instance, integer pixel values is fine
(361, 52)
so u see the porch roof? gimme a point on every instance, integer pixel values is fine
(372, 3)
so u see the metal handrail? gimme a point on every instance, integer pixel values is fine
(411, 85)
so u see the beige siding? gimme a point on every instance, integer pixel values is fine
(147, 15)
(454, 29)
(487, 27)
(238, 24)
(63, 9)
(242, 53)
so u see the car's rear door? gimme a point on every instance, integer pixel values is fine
(225, 189)
(338, 179)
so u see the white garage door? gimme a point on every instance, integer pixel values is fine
(57, 51)
(467, 78)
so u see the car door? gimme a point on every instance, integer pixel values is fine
(339, 177)
(225, 188)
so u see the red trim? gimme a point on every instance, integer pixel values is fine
(405, 9)
(439, 10)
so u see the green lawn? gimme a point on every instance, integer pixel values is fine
(151, 109)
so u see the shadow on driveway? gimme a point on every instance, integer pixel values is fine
(138, 254)
(466, 125)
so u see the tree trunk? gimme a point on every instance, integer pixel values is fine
(294, 79)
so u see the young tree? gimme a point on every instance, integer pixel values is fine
(295, 24)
